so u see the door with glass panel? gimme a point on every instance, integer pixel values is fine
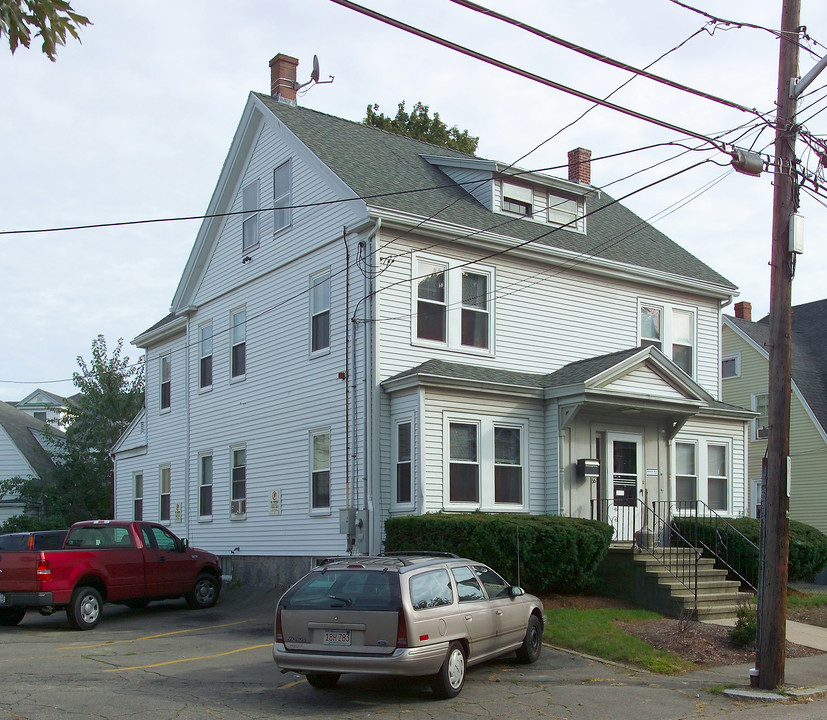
(624, 480)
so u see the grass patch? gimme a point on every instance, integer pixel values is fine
(718, 689)
(806, 600)
(592, 631)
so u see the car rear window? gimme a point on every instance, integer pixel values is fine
(350, 589)
(99, 536)
(13, 542)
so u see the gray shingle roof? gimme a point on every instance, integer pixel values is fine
(809, 350)
(22, 429)
(374, 162)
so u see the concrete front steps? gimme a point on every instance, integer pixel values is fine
(644, 577)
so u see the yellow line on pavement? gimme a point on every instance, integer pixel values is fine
(153, 637)
(182, 660)
(292, 684)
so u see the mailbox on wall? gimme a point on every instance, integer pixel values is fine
(588, 468)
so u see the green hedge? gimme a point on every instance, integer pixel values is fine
(556, 554)
(808, 545)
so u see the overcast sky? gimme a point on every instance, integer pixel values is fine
(135, 123)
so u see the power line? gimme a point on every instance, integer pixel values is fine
(524, 73)
(599, 56)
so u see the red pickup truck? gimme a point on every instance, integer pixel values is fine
(101, 561)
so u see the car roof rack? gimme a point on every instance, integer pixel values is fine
(421, 553)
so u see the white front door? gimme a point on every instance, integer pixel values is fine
(624, 483)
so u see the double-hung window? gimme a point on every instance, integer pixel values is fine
(486, 463)
(671, 330)
(166, 492)
(404, 463)
(320, 312)
(320, 470)
(453, 306)
(517, 199)
(702, 475)
(205, 485)
(282, 213)
(238, 482)
(761, 424)
(238, 343)
(138, 496)
(205, 348)
(250, 207)
(563, 211)
(165, 370)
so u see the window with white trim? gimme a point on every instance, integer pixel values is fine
(517, 199)
(205, 361)
(138, 496)
(761, 424)
(453, 306)
(238, 344)
(250, 207)
(672, 330)
(564, 211)
(282, 212)
(320, 470)
(320, 312)
(485, 466)
(205, 485)
(403, 461)
(165, 377)
(731, 366)
(702, 474)
(166, 492)
(238, 483)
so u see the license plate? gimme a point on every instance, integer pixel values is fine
(337, 637)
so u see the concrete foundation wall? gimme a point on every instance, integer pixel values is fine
(266, 572)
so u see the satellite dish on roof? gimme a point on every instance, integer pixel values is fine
(314, 76)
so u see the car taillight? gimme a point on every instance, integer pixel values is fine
(44, 572)
(401, 631)
(279, 633)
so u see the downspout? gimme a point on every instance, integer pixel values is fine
(347, 367)
(187, 496)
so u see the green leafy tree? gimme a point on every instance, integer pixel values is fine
(111, 394)
(419, 125)
(53, 21)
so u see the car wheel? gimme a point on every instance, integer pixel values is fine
(11, 616)
(448, 682)
(323, 681)
(529, 651)
(204, 593)
(85, 608)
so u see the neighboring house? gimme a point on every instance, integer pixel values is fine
(44, 406)
(24, 452)
(371, 326)
(745, 371)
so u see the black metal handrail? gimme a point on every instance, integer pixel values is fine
(715, 534)
(656, 536)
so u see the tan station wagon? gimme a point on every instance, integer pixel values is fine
(414, 615)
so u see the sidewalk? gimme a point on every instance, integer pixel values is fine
(810, 636)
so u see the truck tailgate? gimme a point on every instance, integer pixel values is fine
(18, 571)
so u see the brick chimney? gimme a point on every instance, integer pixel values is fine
(283, 78)
(580, 166)
(743, 310)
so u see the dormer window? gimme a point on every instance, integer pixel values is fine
(518, 199)
(562, 211)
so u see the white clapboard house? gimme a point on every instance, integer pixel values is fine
(370, 326)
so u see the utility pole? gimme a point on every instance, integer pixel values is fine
(772, 597)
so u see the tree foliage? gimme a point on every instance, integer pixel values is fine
(53, 21)
(419, 125)
(112, 393)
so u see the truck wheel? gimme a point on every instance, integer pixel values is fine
(85, 608)
(12, 616)
(204, 593)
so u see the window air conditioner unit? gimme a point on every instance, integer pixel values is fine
(238, 507)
